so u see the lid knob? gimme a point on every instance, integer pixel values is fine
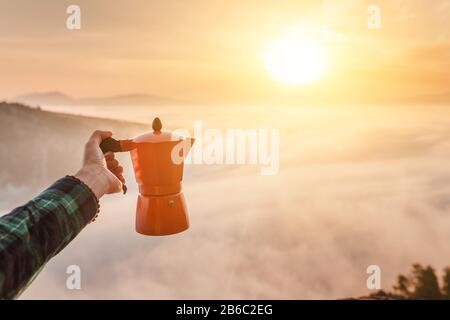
(156, 125)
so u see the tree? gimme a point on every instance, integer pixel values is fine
(403, 286)
(421, 283)
(446, 284)
(426, 283)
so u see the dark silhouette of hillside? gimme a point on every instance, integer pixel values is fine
(39, 146)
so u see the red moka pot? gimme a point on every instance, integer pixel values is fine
(158, 161)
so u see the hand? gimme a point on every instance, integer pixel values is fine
(101, 173)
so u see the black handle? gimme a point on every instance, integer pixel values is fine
(112, 145)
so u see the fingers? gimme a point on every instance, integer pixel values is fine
(121, 178)
(111, 164)
(98, 136)
(109, 156)
(114, 166)
(98, 165)
(118, 170)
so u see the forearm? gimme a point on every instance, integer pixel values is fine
(32, 234)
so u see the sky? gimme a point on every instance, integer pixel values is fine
(212, 51)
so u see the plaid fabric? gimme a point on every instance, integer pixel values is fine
(32, 234)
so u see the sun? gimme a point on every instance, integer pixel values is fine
(295, 60)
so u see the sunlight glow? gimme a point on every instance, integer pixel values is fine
(294, 60)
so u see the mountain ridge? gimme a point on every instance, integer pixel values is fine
(54, 98)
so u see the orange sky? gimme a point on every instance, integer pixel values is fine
(210, 51)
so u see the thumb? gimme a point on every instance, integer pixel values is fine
(98, 136)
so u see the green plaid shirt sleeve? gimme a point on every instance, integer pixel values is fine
(32, 234)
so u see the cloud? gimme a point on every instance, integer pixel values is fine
(357, 186)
